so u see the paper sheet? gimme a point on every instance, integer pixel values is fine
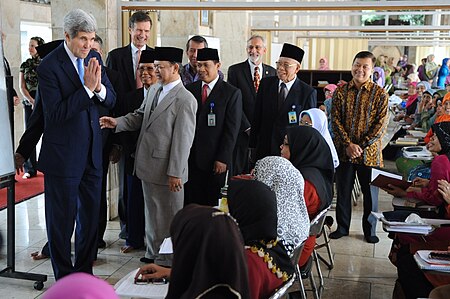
(376, 172)
(126, 287)
(166, 246)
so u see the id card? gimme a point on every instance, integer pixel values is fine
(211, 120)
(292, 115)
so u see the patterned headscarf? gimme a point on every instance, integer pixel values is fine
(288, 184)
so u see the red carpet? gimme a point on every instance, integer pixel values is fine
(25, 189)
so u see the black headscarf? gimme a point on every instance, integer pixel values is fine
(311, 155)
(209, 259)
(442, 131)
(254, 206)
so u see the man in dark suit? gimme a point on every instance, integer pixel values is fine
(246, 76)
(279, 102)
(125, 60)
(219, 116)
(73, 86)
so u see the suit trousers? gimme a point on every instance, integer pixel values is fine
(69, 201)
(203, 187)
(345, 178)
(135, 212)
(30, 165)
(240, 155)
(160, 205)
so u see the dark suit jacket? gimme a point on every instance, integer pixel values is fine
(72, 136)
(216, 143)
(270, 123)
(120, 60)
(239, 75)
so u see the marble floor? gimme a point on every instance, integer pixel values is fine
(361, 270)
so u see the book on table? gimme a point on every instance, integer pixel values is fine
(407, 141)
(424, 227)
(423, 260)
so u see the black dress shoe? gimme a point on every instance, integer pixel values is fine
(372, 239)
(337, 235)
(101, 244)
(147, 260)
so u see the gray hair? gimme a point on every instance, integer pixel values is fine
(78, 20)
(255, 37)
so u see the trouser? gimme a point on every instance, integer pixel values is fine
(69, 201)
(135, 212)
(345, 178)
(203, 187)
(160, 205)
(30, 164)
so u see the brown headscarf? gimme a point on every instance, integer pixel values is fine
(209, 259)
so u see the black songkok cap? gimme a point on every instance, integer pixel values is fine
(169, 54)
(207, 54)
(45, 49)
(147, 56)
(291, 51)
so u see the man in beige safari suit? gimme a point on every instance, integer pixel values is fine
(166, 121)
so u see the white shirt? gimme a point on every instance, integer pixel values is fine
(288, 84)
(134, 57)
(101, 95)
(210, 85)
(166, 88)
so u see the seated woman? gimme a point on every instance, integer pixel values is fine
(287, 183)
(209, 259)
(411, 104)
(309, 152)
(425, 190)
(254, 206)
(317, 119)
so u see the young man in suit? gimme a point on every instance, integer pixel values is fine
(167, 124)
(73, 86)
(246, 76)
(125, 60)
(218, 120)
(279, 102)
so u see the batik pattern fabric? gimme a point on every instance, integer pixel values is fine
(358, 116)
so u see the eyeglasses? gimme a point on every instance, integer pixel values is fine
(304, 123)
(284, 65)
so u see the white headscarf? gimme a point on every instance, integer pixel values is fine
(320, 123)
(287, 182)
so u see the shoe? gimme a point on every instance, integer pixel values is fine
(126, 249)
(147, 260)
(372, 239)
(101, 244)
(337, 235)
(38, 256)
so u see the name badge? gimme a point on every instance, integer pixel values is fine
(211, 116)
(292, 116)
(211, 120)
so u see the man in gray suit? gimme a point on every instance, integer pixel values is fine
(166, 121)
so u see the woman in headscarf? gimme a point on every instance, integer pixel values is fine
(288, 184)
(411, 102)
(254, 206)
(425, 190)
(317, 119)
(378, 76)
(309, 152)
(209, 259)
(443, 73)
(431, 68)
(323, 64)
(442, 114)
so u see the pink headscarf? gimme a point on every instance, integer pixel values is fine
(80, 285)
(413, 98)
(330, 87)
(325, 64)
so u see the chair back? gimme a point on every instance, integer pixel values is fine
(316, 225)
(283, 289)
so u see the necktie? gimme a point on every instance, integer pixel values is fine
(155, 99)
(80, 68)
(138, 78)
(282, 95)
(256, 78)
(204, 93)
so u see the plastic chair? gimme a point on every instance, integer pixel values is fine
(283, 289)
(356, 192)
(295, 258)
